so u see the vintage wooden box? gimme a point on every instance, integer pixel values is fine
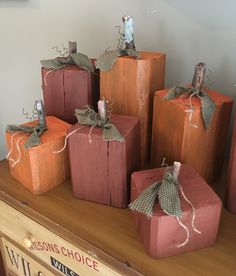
(174, 139)
(161, 234)
(67, 89)
(131, 84)
(100, 171)
(231, 184)
(39, 169)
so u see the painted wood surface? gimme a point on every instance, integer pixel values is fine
(100, 170)
(230, 195)
(175, 139)
(39, 168)
(67, 89)
(131, 85)
(161, 234)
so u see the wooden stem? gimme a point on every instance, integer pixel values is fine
(199, 74)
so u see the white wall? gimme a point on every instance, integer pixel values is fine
(188, 31)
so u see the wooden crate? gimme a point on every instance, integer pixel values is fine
(131, 84)
(161, 234)
(100, 171)
(67, 89)
(174, 139)
(39, 169)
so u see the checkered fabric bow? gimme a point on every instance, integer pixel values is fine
(107, 60)
(166, 190)
(207, 105)
(89, 117)
(34, 131)
(60, 62)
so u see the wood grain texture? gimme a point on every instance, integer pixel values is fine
(174, 138)
(100, 171)
(230, 195)
(131, 84)
(39, 169)
(113, 231)
(161, 234)
(67, 89)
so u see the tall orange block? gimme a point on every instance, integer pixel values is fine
(131, 84)
(40, 169)
(174, 138)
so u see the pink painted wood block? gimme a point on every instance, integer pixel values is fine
(231, 184)
(100, 171)
(67, 89)
(161, 234)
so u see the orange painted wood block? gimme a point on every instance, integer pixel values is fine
(131, 85)
(230, 195)
(69, 88)
(174, 138)
(39, 169)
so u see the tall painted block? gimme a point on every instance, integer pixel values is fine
(131, 84)
(100, 170)
(69, 88)
(174, 137)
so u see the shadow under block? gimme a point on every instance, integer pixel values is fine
(39, 169)
(131, 84)
(67, 89)
(174, 139)
(231, 183)
(100, 171)
(161, 234)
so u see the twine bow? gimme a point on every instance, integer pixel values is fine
(34, 138)
(60, 62)
(89, 117)
(207, 105)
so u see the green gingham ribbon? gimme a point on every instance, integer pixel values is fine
(207, 105)
(166, 190)
(60, 62)
(89, 117)
(107, 60)
(34, 138)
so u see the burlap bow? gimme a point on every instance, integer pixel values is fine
(89, 117)
(107, 60)
(207, 105)
(34, 138)
(167, 192)
(60, 62)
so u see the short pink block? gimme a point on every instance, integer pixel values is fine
(161, 234)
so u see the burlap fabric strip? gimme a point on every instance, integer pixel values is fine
(34, 131)
(79, 59)
(207, 104)
(106, 61)
(89, 117)
(166, 190)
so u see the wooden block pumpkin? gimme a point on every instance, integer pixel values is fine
(231, 184)
(100, 170)
(40, 169)
(67, 89)
(162, 234)
(174, 138)
(131, 84)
